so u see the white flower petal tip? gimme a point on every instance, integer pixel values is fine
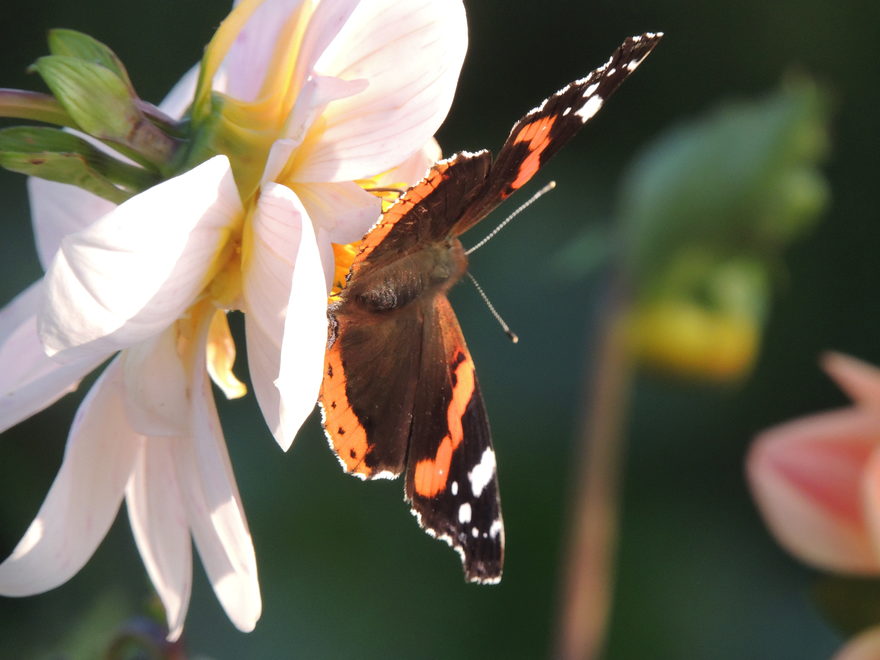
(286, 321)
(807, 480)
(859, 379)
(84, 498)
(214, 509)
(865, 646)
(159, 524)
(30, 381)
(133, 272)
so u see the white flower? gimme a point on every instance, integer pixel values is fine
(325, 93)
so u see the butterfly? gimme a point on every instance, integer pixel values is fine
(400, 393)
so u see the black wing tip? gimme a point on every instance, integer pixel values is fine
(637, 48)
(480, 572)
(478, 567)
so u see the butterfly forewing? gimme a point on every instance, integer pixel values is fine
(535, 138)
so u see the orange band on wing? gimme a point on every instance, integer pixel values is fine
(347, 434)
(537, 135)
(431, 473)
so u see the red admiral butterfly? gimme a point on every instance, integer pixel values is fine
(400, 392)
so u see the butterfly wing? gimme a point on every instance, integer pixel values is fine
(451, 480)
(535, 138)
(400, 391)
(426, 213)
(366, 398)
(373, 360)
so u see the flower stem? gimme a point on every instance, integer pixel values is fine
(22, 104)
(588, 584)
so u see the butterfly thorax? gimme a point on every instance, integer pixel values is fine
(419, 275)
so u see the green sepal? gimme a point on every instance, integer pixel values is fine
(99, 100)
(55, 155)
(71, 43)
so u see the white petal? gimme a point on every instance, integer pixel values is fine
(310, 103)
(414, 168)
(317, 92)
(344, 210)
(305, 338)
(132, 273)
(59, 209)
(156, 387)
(324, 25)
(285, 274)
(29, 380)
(328, 257)
(83, 499)
(411, 54)
(160, 527)
(214, 509)
(255, 48)
(264, 358)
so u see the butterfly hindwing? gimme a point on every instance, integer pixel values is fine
(368, 426)
(451, 480)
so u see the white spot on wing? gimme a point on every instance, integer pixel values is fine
(591, 107)
(454, 488)
(482, 474)
(464, 513)
(495, 529)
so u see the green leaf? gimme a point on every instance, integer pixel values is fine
(75, 44)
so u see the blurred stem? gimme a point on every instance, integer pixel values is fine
(588, 584)
(21, 104)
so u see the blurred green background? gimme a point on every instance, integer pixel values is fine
(344, 569)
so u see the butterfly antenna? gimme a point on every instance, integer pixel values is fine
(507, 331)
(550, 186)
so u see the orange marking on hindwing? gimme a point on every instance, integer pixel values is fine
(537, 135)
(431, 473)
(347, 435)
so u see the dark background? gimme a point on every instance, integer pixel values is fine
(344, 569)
